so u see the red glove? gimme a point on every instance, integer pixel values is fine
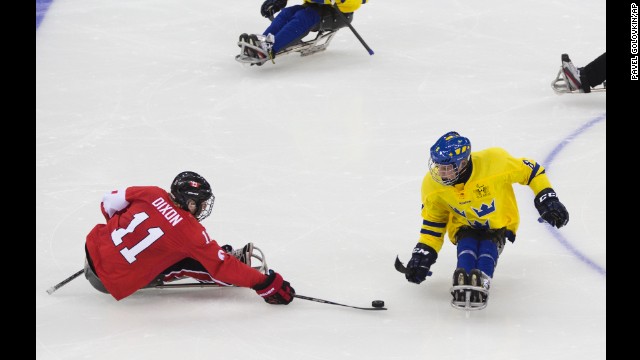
(275, 290)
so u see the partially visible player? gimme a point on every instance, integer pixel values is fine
(585, 78)
(293, 23)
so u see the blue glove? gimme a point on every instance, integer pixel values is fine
(550, 208)
(421, 260)
(270, 7)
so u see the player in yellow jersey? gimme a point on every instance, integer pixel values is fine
(292, 24)
(469, 196)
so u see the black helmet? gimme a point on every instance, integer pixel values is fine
(193, 193)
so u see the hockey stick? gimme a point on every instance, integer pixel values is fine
(64, 282)
(344, 18)
(205, 285)
(335, 303)
(400, 266)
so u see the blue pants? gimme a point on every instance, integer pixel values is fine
(291, 24)
(477, 254)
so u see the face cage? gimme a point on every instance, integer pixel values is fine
(205, 208)
(434, 169)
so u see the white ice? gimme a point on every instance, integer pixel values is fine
(318, 160)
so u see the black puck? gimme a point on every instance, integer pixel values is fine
(377, 303)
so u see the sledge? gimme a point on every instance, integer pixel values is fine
(561, 86)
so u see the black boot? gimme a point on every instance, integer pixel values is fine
(479, 279)
(244, 38)
(460, 277)
(584, 81)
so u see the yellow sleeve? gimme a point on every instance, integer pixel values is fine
(435, 217)
(347, 6)
(534, 175)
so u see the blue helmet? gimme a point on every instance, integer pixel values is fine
(448, 155)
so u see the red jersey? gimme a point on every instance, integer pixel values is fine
(146, 233)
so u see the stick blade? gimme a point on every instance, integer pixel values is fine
(399, 265)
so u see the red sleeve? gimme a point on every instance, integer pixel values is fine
(221, 265)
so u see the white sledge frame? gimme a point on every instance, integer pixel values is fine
(561, 86)
(467, 304)
(305, 47)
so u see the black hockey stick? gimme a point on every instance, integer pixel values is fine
(344, 18)
(204, 285)
(64, 282)
(334, 303)
(400, 266)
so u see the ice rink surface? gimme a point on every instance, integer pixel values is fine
(318, 161)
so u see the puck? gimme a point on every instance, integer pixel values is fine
(377, 303)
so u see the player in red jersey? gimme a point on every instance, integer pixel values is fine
(153, 236)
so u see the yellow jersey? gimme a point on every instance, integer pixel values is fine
(485, 201)
(346, 6)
